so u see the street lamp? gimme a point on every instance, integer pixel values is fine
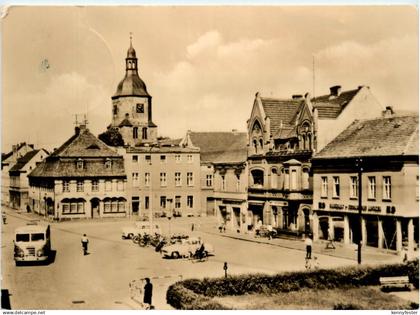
(359, 166)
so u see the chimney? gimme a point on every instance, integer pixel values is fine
(297, 96)
(77, 130)
(335, 90)
(388, 112)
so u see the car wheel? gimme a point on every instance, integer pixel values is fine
(175, 255)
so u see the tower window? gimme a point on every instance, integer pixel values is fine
(140, 108)
(144, 133)
(115, 110)
(135, 133)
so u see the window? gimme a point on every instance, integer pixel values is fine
(305, 178)
(209, 180)
(163, 159)
(177, 158)
(95, 185)
(79, 164)
(324, 186)
(372, 187)
(146, 202)
(258, 177)
(73, 206)
(114, 206)
(108, 185)
(177, 179)
(273, 178)
(162, 202)
(190, 179)
(336, 187)
(417, 187)
(190, 201)
(162, 179)
(293, 179)
(177, 202)
(189, 158)
(148, 158)
(135, 158)
(223, 183)
(147, 179)
(80, 187)
(144, 133)
(66, 186)
(135, 179)
(135, 132)
(120, 185)
(139, 108)
(387, 188)
(353, 187)
(115, 110)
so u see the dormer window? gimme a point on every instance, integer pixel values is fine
(79, 164)
(108, 163)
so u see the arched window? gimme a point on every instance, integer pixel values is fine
(135, 133)
(258, 178)
(144, 133)
(305, 178)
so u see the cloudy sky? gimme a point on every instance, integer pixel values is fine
(202, 65)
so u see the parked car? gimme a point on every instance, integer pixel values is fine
(140, 228)
(186, 248)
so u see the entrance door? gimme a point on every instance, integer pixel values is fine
(95, 207)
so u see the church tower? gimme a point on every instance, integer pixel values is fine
(132, 106)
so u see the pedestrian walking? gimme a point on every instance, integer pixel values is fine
(308, 243)
(148, 292)
(85, 242)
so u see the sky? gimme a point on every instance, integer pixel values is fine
(202, 65)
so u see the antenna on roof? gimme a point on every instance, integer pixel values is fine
(75, 120)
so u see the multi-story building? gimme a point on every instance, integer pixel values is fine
(283, 136)
(19, 182)
(8, 160)
(388, 149)
(224, 175)
(83, 178)
(163, 180)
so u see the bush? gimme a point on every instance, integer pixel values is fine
(197, 294)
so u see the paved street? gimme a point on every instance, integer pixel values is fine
(100, 280)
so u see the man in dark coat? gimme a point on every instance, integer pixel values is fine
(148, 291)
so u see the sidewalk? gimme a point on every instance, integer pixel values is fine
(370, 255)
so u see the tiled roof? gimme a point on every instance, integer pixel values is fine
(62, 163)
(84, 144)
(375, 137)
(220, 146)
(170, 142)
(281, 112)
(21, 162)
(67, 168)
(331, 106)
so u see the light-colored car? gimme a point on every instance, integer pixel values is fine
(140, 227)
(186, 248)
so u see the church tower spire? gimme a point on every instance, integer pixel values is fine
(131, 60)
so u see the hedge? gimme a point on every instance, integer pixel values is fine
(197, 293)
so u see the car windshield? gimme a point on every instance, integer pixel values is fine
(22, 237)
(37, 237)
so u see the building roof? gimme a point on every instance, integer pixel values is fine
(392, 136)
(281, 112)
(19, 146)
(84, 144)
(217, 147)
(125, 123)
(21, 162)
(330, 106)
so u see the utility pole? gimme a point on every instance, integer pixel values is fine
(359, 163)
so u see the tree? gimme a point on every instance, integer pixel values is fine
(112, 137)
